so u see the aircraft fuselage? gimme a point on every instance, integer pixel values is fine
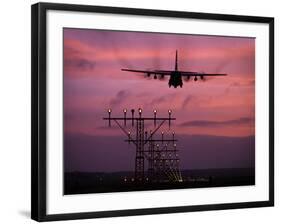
(175, 79)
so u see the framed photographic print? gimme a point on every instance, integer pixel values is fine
(138, 111)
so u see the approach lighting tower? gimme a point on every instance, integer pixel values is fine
(160, 153)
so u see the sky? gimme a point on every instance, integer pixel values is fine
(218, 107)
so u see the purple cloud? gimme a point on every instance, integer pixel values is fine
(206, 123)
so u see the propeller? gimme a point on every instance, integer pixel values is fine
(162, 77)
(148, 75)
(186, 78)
(202, 77)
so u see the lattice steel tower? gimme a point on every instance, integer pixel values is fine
(161, 156)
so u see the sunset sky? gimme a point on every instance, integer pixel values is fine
(221, 107)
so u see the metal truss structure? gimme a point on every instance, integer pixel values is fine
(160, 154)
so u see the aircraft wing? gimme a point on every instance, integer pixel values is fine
(154, 72)
(188, 74)
(169, 72)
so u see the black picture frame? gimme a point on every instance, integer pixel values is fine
(39, 122)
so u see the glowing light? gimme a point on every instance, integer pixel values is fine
(155, 111)
(125, 110)
(109, 110)
(169, 111)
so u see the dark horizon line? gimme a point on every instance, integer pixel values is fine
(132, 171)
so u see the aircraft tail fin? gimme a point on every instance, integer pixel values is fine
(176, 62)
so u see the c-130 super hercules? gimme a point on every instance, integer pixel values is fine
(175, 75)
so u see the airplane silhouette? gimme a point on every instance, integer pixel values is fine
(175, 75)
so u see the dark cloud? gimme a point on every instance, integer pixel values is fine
(206, 123)
(186, 101)
(163, 99)
(246, 84)
(119, 98)
(80, 63)
(158, 100)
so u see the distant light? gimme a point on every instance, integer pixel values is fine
(169, 111)
(175, 144)
(125, 110)
(155, 111)
(129, 132)
(109, 110)
(162, 132)
(140, 110)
